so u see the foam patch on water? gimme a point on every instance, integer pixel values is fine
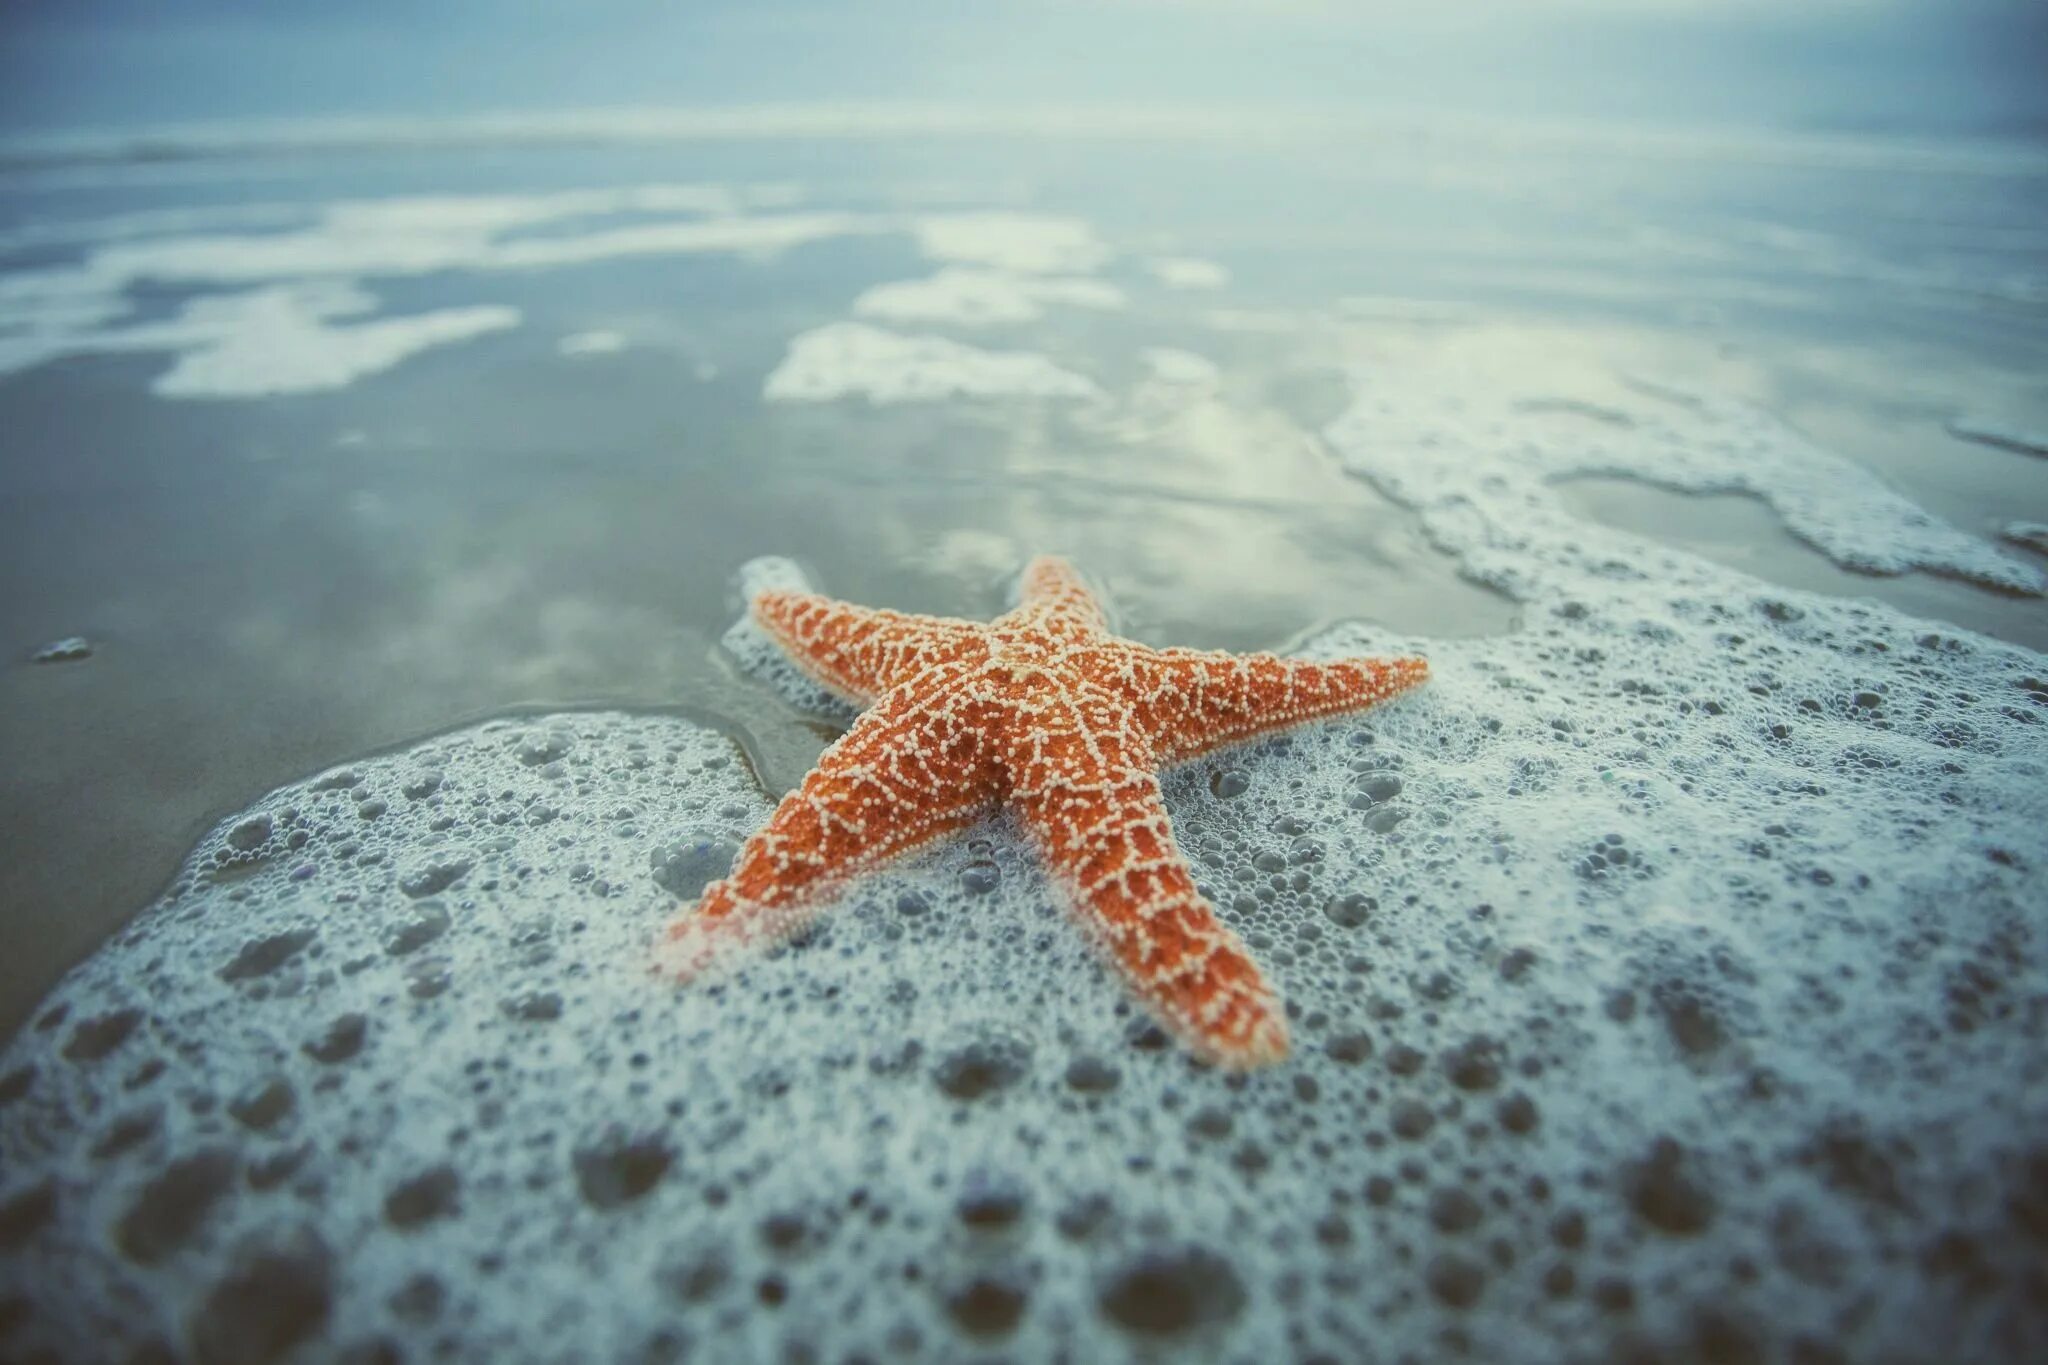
(147, 223)
(410, 235)
(852, 359)
(39, 306)
(756, 651)
(1030, 243)
(1446, 422)
(70, 649)
(2032, 534)
(969, 297)
(419, 236)
(279, 340)
(1665, 979)
(2001, 434)
(52, 312)
(591, 343)
(1187, 272)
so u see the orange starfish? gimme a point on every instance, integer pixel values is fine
(1045, 712)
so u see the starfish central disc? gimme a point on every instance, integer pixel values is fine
(1045, 713)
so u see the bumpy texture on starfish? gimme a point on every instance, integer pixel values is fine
(1045, 712)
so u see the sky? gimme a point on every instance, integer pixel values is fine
(1923, 66)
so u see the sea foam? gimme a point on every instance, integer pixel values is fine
(284, 271)
(1664, 980)
(852, 359)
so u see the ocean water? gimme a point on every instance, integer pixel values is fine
(1667, 976)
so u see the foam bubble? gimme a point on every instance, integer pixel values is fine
(850, 359)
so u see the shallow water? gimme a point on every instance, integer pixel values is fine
(1454, 375)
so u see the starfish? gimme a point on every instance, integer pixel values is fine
(1047, 714)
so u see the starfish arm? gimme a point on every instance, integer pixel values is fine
(1086, 792)
(857, 652)
(1190, 701)
(1057, 600)
(906, 773)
